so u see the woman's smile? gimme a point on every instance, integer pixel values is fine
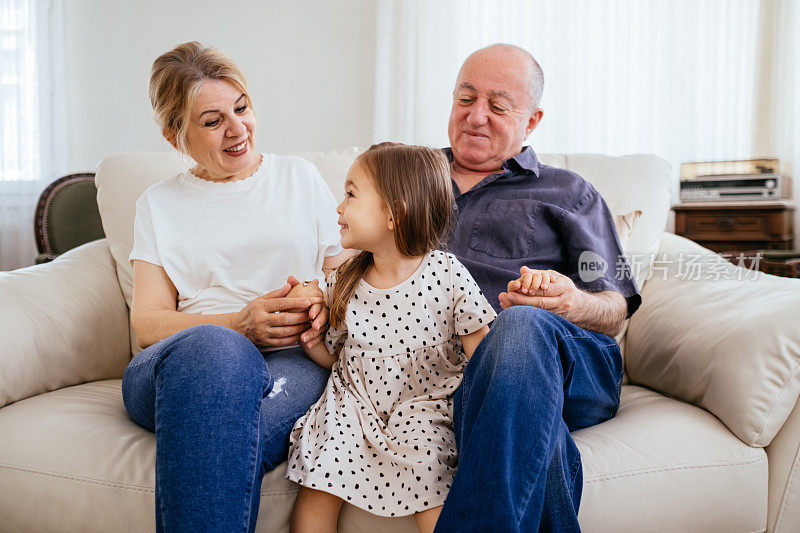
(238, 150)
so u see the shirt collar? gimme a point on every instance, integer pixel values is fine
(525, 160)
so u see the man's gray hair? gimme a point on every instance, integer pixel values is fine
(537, 76)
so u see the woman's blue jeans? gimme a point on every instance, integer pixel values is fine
(222, 413)
(534, 378)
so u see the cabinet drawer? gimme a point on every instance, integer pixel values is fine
(755, 225)
(732, 225)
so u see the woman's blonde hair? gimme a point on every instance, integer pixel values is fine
(175, 81)
(414, 183)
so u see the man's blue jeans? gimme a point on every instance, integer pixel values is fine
(534, 378)
(222, 414)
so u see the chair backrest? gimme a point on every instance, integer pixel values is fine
(67, 216)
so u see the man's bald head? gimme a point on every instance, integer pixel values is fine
(533, 71)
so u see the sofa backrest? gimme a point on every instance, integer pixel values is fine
(627, 183)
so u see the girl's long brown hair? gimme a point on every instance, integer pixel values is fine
(414, 183)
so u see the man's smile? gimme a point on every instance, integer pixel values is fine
(475, 134)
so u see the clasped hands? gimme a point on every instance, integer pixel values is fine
(292, 313)
(297, 311)
(546, 289)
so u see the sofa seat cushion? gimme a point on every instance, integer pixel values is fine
(72, 460)
(664, 465)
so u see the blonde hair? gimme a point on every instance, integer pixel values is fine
(414, 183)
(175, 81)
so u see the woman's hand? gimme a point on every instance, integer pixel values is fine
(275, 320)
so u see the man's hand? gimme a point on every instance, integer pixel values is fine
(603, 312)
(546, 289)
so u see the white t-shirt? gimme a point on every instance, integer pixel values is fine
(224, 244)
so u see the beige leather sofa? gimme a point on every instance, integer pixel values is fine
(706, 438)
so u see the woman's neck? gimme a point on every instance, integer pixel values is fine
(207, 175)
(390, 268)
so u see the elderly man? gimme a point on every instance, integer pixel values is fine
(549, 365)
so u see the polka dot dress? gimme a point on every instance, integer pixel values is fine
(381, 436)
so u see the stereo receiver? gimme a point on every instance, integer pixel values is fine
(735, 187)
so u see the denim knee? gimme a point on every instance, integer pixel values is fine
(519, 329)
(206, 360)
(525, 318)
(214, 350)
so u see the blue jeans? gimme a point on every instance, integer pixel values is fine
(534, 378)
(222, 414)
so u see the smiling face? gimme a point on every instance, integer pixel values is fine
(221, 131)
(491, 115)
(364, 220)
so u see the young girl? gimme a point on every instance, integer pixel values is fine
(405, 318)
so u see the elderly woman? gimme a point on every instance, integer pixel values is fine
(221, 380)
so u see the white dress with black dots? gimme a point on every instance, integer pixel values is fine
(381, 435)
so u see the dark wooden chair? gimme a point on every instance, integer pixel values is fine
(67, 216)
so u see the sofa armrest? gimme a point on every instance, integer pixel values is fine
(783, 455)
(718, 336)
(62, 323)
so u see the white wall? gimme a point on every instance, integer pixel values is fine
(310, 66)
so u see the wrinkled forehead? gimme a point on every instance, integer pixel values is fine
(494, 72)
(213, 93)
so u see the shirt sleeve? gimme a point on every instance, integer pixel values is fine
(330, 242)
(335, 337)
(471, 311)
(144, 235)
(595, 261)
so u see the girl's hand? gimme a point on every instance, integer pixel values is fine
(530, 281)
(317, 313)
(274, 319)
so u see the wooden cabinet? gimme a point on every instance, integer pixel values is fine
(739, 227)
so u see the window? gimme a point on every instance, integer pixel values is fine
(32, 117)
(19, 128)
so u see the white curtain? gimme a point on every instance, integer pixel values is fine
(684, 79)
(32, 119)
(779, 116)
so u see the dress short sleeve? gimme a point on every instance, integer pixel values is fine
(335, 337)
(144, 235)
(470, 308)
(330, 242)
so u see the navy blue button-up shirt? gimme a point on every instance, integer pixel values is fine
(541, 217)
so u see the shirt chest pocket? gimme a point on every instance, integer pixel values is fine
(504, 229)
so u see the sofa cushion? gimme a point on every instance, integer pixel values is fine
(61, 323)
(664, 465)
(720, 337)
(628, 183)
(72, 460)
(333, 166)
